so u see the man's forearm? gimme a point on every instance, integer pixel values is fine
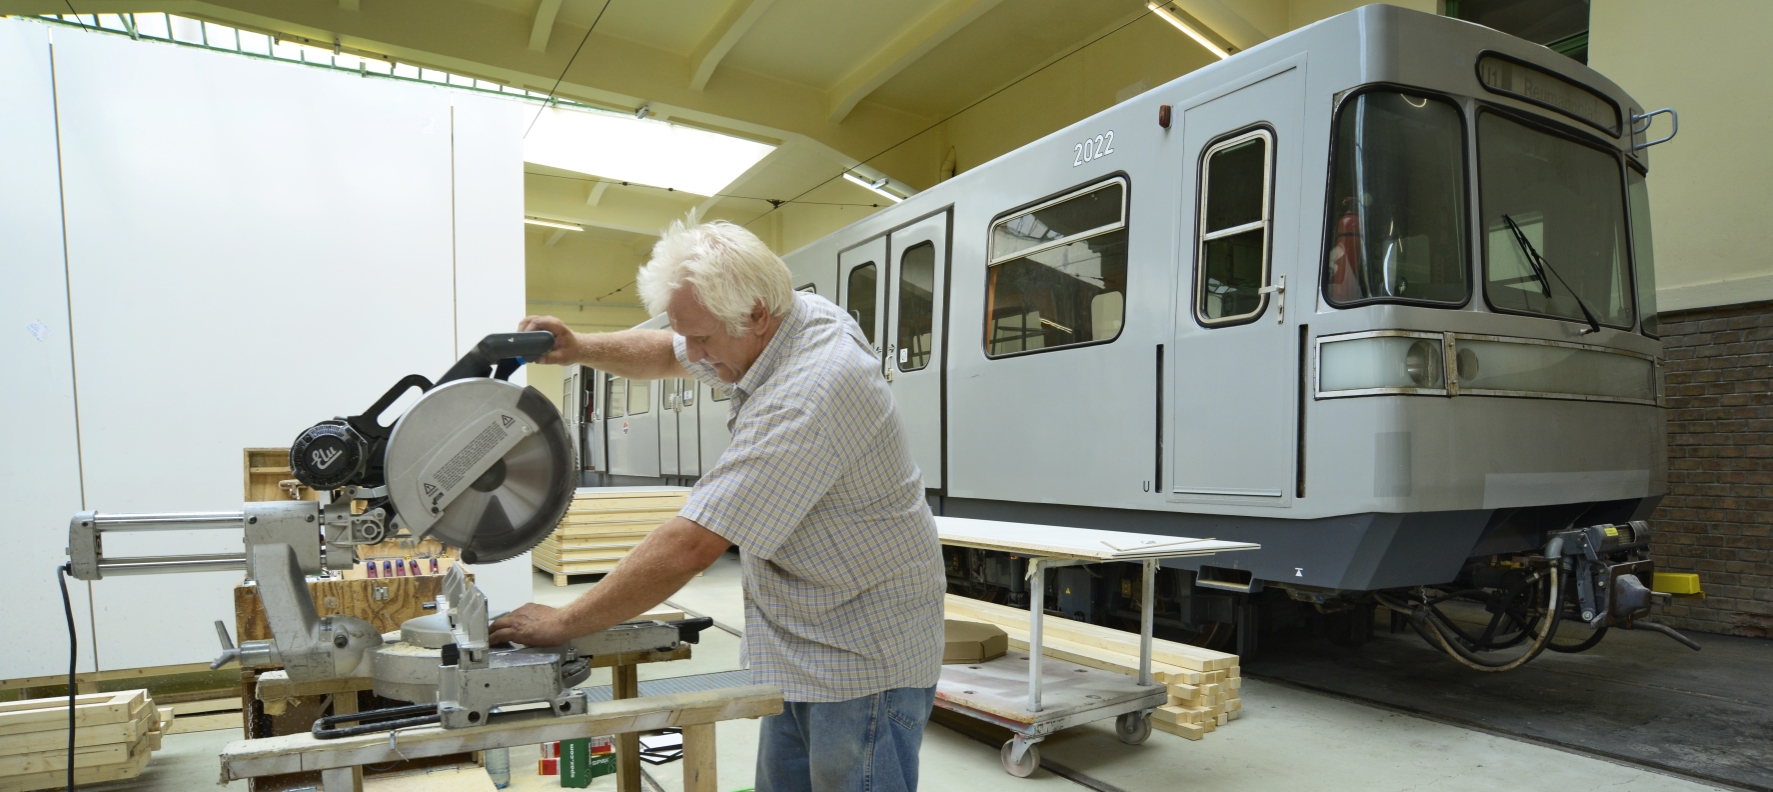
(654, 570)
(636, 354)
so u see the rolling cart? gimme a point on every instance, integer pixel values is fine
(1034, 696)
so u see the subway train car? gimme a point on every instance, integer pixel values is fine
(1376, 294)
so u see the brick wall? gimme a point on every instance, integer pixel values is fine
(1718, 517)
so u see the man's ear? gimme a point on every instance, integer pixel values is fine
(759, 319)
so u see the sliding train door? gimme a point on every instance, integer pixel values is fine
(913, 335)
(689, 427)
(1235, 360)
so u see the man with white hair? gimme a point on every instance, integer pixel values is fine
(842, 572)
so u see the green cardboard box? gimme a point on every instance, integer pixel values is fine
(578, 765)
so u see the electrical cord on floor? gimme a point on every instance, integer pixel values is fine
(61, 576)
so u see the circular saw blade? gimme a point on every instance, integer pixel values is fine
(515, 504)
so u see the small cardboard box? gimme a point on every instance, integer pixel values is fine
(973, 642)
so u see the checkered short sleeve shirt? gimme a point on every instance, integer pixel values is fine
(842, 571)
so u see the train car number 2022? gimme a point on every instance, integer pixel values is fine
(1093, 148)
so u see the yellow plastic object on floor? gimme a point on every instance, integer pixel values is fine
(1680, 584)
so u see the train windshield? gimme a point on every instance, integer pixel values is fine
(1554, 225)
(1638, 195)
(1397, 202)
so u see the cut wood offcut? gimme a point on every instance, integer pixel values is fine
(114, 734)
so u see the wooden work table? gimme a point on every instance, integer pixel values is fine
(336, 760)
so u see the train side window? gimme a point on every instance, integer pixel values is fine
(1637, 198)
(1232, 265)
(640, 394)
(860, 291)
(1057, 275)
(1397, 219)
(917, 305)
(616, 397)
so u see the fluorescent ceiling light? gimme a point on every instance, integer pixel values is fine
(553, 224)
(873, 186)
(641, 151)
(1185, 28)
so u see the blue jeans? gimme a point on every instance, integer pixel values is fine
(866, 744)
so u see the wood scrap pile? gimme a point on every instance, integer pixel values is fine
(1203, 683)
(114, 735)
(602, 525)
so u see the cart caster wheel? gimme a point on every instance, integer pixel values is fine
(1024, 768)
(1132, 728)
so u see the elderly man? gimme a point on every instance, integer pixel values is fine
(842, 573)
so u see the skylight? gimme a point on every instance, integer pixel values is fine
(641, 151)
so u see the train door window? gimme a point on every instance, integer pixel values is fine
(640, 394)
(1057, 275)
(1232, 266)
(1637, 195)
(616, 398)
(917, 303)
(1397, 219)
(861, 291)
(1554, 224)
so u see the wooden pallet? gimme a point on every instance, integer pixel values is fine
(601, 527)
(1203, 684)
(114, 734)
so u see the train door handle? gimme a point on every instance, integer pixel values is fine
(886, 362)
(1279, 289)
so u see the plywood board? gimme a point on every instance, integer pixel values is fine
(401, 598)
(1064, 542)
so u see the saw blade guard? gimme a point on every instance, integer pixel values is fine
(482, 465)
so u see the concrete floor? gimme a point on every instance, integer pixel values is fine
(1288, 738)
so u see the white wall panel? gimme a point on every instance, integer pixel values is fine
(253, 247)
(489, 282)
(39, 463)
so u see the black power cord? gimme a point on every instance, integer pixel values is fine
(61, 575)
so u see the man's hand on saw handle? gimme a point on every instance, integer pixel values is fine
(531, 625)
(566, 349)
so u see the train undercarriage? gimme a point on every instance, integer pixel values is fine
(1498, 614)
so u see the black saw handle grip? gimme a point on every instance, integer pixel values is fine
(506, 350)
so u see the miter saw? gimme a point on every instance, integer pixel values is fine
(478, 463)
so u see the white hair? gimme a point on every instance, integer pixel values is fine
(732, 270)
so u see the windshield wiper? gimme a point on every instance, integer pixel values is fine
(1541, 266)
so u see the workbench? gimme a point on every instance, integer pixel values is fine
(338, 760)
(1060, 694)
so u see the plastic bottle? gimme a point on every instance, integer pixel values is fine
(498, 766)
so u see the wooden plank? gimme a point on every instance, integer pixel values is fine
(83, 775)
(50, 739)
(207, 705)
(563, 538)
(580, 555)
(301, 752)
(202, 723)
(1188, 731)
(699, 770)
(275, 685)
(18, 717)
(1169, 652)
(46, 761)
(625, 685)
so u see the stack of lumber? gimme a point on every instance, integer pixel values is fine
(113, 736)
(602, 525)
(1203, 683)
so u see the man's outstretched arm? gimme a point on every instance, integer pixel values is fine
(662, 563)
(636, 354)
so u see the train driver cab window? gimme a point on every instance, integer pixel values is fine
(860, 289)
(640, 394)
(1397, 220)
(1554, 225)
(1637, 195)
(1232, 264)
(1057, 274)
(616, 397)
(917, 305)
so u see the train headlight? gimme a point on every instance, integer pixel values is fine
(1408, 363)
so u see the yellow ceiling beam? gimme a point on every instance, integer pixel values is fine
(543, 27)
(733, 24)
(905, 49)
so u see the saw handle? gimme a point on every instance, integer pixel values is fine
(506, 350)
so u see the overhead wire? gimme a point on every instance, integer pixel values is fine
(710, 195)
(569, 65)
(952, 116)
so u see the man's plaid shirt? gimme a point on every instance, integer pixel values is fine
(843, 573)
